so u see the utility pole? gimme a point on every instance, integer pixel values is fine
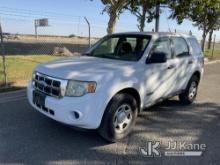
(89, 31)
(157, 17)
(3, 56)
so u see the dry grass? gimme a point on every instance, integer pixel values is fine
(19, 68)
(53, 39)
(216, 53)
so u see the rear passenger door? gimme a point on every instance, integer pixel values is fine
(183, 60)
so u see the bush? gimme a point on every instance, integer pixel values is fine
(72, 35)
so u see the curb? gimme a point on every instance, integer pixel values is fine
(212, 62)
(21, 91)
(6, 97)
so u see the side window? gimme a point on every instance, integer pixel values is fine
(196, 48)
(180, 47)
(162, 45)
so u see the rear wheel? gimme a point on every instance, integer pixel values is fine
(189, 95)
(119, 117)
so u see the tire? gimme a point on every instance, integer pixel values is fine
(190, 93)
(119, 117)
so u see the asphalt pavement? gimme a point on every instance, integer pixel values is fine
(28, 137)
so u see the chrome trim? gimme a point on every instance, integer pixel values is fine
(61, 88)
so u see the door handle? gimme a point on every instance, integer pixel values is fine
(190, 62)
(171, 67)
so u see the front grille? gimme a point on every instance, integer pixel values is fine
(48, 85)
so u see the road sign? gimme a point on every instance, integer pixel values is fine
(41, 22)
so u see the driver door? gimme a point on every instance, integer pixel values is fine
(159, 77)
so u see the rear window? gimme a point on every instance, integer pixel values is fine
(196, 48)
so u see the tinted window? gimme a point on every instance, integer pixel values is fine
(162, 45)
(196, 48)
(121, 47)
(180, 47)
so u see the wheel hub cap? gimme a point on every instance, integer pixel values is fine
(192, 90)
(122, 118)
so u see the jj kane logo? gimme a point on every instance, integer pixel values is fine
(172, 148)
(151, 149)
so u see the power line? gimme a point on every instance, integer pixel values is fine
(54, 19)
(32, 12)
(36, 14)
(53, 22)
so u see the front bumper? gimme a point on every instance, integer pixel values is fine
(90, 109)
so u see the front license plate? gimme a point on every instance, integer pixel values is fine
(39, 98)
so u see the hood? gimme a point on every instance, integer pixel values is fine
(85, 68)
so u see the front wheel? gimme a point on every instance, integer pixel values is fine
(189, 95)
(119, 117)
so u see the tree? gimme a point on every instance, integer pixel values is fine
(114, 8)
(210, 39)
(216, 26)
(202, 13)
(144, 10)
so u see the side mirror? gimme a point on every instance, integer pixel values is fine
(158, 57)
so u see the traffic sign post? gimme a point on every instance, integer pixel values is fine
(40, 23)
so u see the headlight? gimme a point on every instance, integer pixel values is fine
(79, 88)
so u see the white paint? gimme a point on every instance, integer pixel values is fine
(112, 76)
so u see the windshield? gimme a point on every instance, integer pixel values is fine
(121, 47)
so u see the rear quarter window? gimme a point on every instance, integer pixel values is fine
(196, 48)
(180, 47)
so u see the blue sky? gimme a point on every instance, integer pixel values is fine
(66, 17)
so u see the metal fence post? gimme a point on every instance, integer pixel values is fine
(3, 56)
(89, 31)
(35, 28)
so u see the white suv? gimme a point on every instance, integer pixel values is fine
(118, 77)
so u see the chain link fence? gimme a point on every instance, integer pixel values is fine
(24, 49)
(20, 38)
